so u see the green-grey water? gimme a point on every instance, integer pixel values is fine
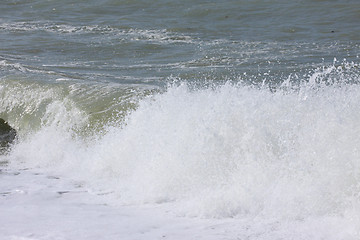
(141, 44)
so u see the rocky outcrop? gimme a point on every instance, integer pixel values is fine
(7, 134)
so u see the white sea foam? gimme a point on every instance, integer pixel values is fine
(232, 151)
(134, 34)
(5, 65)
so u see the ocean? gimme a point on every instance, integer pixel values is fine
(242, 116)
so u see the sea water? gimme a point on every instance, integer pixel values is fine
(215, 109)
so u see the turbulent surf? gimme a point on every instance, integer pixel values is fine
(205, 113)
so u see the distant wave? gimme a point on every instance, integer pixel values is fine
(152, 35)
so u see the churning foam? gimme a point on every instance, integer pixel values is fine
(224, 152)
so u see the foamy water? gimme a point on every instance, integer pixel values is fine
(230, 151)
(180, 120)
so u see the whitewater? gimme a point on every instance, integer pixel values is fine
(180, 120)
(233, 161)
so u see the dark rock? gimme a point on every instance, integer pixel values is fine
(7, 134)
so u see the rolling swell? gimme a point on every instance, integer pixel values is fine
(234, 150)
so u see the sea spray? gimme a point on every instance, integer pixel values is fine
(228, 151)
(260, 131)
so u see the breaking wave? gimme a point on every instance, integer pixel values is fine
(234, 150)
